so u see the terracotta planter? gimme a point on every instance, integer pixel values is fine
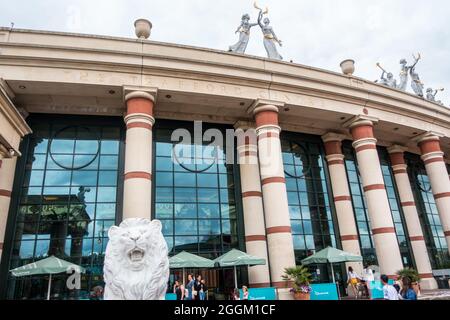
(301, 296)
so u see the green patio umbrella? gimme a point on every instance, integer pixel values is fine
(234, 258)
(51, 265)
(188, 260)
(331, 255)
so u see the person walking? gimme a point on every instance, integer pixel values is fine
(236, 295)
(190, 287)
(407, 292)
(389, 291)
(352, 280)
(203, 290)
(197, 287)
(368, 277)
(178, 290)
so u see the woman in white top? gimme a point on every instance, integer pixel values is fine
(368, 277)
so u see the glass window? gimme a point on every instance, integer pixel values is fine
(66, 204)
(205, 212)
(307, 194)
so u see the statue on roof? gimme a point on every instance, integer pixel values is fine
(404, 70)
(244, 35)
(416, 84)
(270, 38)
(387, 80)
(431, 95)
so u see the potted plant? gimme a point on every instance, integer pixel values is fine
(300, 278)
(413, 275)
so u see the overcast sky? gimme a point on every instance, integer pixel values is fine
(319, 33)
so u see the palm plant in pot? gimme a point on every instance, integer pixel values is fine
(412, 274)
(301, 278)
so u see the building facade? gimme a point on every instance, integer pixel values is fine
(87, 128)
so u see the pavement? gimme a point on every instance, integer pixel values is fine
(440, 294)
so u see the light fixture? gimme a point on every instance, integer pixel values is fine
(22, 87)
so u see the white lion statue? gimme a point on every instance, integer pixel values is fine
(136, 261)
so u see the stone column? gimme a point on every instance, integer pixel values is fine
(416, 238)
(383, 230)
(255, 229)
(278, 223)
(7, 170)
(341, 195)
(433, 158)
(138, 155)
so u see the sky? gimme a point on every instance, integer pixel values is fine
(318, 33)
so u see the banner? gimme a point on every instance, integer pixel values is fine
(260, 294)
(324, 291)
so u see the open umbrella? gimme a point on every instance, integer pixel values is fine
(234, 258)
(188, 260)
(331, 255)
(50, 265)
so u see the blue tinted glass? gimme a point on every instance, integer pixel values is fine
(185, 210)
(86, 147)
(186, 179)
(209, 227)
(109, 162)
(57, 178)
(164, 179)
(62, 146)
(163, 210)
(107, 178)
(186, 227)
(110, 147)
(185, 195)
(294, 212)
(106, 211)
(164, 194)
(207, 180)
(208, 210)
(163, 164)
(84, 178)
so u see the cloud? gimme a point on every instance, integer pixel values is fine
(320, 33)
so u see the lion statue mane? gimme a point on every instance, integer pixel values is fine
(136, 261)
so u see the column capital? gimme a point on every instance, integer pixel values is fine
(396, 148)
(265, 105)
(130, 92)
(333, 136)
(427, 136)
(360, 120)
(396, 154)
(244, 125)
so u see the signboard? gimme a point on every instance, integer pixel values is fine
(260, 294)
(171, 296)
(376, 289)
(324, 291)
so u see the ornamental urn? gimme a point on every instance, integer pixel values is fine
(142, 28)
